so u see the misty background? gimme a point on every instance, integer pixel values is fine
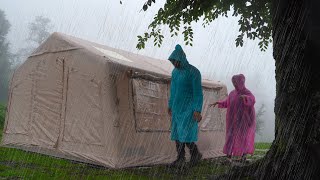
(117, 25)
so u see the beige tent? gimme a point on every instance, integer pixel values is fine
(87, 102)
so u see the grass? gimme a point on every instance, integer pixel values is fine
(19, 164)
(262, 145)
(16, 163)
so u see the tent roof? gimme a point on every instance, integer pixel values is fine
(59, 42)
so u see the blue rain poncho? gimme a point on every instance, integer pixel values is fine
(186, 97)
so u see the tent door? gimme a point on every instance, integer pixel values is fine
(47, 100)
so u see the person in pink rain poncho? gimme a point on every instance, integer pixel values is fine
(240, 120)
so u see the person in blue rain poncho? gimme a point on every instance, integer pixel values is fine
(185, 105)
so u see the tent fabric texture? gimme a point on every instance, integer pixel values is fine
(91, 103)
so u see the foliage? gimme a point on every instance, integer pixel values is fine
(39, 29)
(2, 115)
(254, 22)
(5, 56)
(259, 120)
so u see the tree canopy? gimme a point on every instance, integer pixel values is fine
(5, 56)
(254, 22)
(259, 120)
(39, 29)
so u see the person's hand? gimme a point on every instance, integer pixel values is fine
(213, 105)
(197, 116)
(242, 96)
(169, 112)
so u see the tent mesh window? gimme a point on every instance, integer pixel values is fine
(212, 117)
(150, 99)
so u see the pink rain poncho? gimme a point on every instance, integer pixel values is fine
(241, 120)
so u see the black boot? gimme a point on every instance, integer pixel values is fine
(179, 162)
(195, 154)
(244, 158)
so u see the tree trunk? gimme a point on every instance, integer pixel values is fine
(294, 154)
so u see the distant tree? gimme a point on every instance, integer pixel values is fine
(259, 120)
(21, 55)
(39, 30)
(2, 115)
(5, 66)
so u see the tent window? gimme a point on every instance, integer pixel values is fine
(150, 101)
(212, 117)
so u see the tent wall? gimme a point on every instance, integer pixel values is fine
(212, 127)
(144, 142)
(139, 148)
(58, 102)
(16, 130)
(88, 129)
(36, 102)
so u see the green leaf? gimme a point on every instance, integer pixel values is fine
(255, 20)
(145, 7)
(241, 43)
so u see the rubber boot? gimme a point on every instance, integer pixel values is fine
(179, 162)
(195, 154)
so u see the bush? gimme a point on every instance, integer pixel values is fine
(2, 115)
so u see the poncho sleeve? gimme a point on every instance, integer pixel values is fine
(224, 103)
(172, 92)
(197, 92)
(249, 100)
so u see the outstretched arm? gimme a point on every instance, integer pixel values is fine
(224, 103)
(221, 104)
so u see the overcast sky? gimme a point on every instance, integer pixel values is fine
(110, 23)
